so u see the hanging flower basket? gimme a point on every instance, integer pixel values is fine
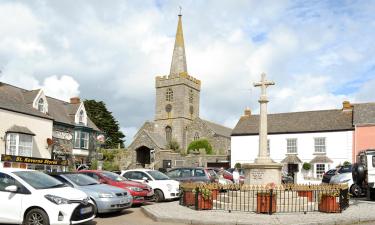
(263, 202)
(328, 203)
(308, 194)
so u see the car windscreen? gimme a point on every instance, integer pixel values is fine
(39, 180)
(345, 169)
(80, 179)
(158, 175)
(113, 176)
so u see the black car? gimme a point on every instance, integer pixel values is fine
(327, 175)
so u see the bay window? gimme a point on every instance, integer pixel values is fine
(81, 139)
(19, 144)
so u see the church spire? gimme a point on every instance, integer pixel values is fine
(178, 64)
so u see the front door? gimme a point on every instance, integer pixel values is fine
(292, 171)
(11, 203)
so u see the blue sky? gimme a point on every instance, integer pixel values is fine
(319, 53)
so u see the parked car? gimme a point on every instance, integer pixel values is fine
(32, 197)
(342, 178)
(140, 192)
(105, 197)
(196, 174)
(164, 187)
(328, 175)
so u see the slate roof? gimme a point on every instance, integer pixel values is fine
(364, 113)
(297, 122)
(218, 129)
(20, 100)
(19, 129)
(159, 140)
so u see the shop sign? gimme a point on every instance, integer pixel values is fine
(33, 160)
(62, 135)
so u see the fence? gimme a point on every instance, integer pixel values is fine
(265, 198)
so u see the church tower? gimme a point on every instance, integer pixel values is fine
(177, 95)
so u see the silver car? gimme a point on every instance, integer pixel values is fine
(106, 198)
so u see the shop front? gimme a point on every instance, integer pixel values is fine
(48, 165)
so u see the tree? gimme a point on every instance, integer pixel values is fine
(104, 120)
(201, 143)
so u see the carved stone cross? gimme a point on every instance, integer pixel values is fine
(263, 84)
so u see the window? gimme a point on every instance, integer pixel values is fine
(199, 173)
(41, 105)
(268, 147)
(291, 145)
(19, 144)
(169, 95)
(5, 181)
(320, 144)
(81, 140)
(320, 169)
(81, 116)
(174, 173)
(168, 134)
(196, 136)
(191, 96)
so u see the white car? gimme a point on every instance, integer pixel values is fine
(342, 178)
(32, 197)
(163, 186)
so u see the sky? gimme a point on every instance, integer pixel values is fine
(319, 53)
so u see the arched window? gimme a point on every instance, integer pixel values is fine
(168, 134)
(191, 96)
(169, 95)
(196, 136)
(81, 116)
(41, 105)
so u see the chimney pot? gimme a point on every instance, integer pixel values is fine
(247, 112)
(75, 100)
(346, 106)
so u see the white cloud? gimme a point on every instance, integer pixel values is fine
(62, 88)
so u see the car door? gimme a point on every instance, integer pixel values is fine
(11, 203)
(174, 174)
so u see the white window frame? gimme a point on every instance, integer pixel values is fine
(320, 145)
(78, 137)
(41, 105)
(321, 172)
(19, 148)
(81, 116)
(291, 149)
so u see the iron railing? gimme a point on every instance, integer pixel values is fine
(265, 198)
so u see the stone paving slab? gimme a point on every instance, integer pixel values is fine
(358, 211)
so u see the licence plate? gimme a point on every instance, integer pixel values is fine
(86, 210)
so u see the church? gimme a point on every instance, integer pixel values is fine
(163, 142)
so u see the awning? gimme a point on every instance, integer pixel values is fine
(20, 130)
(321, 159)
(291, 159)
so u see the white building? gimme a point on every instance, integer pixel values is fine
(321, 138)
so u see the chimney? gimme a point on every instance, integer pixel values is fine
(346, 106)
(247, 112)
(75, 100)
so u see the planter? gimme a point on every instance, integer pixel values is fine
(308, 194)
(189, 198)
(263, 203)
(204, 203)
(328, 204)
(215, 193)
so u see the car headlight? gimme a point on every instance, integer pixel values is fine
(169, 187)
(105, 195)
(56, 199)
(137, 189)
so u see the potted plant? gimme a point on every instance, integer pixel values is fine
(265, 199)
(328, 202)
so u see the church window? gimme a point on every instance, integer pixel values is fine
(168, 134)
(41, 105)
(169, 95)
(191, 96)
(196, 136)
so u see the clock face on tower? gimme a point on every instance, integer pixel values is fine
(168, 108)
(191, 109)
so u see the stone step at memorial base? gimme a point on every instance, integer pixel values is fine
(253, 207)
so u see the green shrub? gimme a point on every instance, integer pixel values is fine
(306, 166)
(201, 143)
(173, 145)
(237, 165)
(347, 163)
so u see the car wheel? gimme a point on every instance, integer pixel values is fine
(355, 190)
(159, 196)
(36, 217)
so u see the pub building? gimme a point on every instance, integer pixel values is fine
(44, 133)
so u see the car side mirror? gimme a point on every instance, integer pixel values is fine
(145, 179)
(11, 188)
(102, 181)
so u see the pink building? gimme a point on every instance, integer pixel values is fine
(364, 123)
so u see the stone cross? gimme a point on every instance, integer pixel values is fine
(263, 157)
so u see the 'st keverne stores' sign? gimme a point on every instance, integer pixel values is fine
(32, 160)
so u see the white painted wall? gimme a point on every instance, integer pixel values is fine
(244, 149)
(42, 128)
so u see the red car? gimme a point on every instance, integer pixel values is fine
(140, 192)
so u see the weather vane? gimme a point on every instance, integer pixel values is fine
(180, 10)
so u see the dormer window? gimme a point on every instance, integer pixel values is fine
(81, 116)
(41, 105)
